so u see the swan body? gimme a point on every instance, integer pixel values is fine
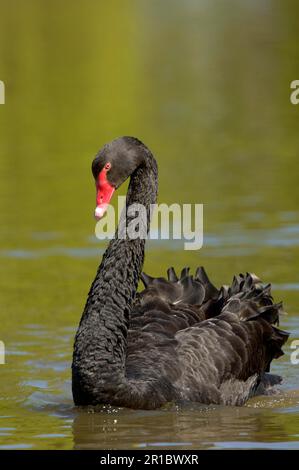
(181, 338)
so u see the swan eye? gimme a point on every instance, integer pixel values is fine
(107, 166)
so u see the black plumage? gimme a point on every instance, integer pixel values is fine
(180, 339)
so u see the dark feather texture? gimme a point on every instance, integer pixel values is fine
(180, 338)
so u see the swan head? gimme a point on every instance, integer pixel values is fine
(112, 165)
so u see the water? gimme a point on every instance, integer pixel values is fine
(206, 86)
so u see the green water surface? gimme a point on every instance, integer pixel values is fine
(206, 85)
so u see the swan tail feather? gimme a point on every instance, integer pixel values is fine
(251, 301)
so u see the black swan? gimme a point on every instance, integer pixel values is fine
(180, 339)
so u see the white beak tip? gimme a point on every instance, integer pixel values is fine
(99, 212)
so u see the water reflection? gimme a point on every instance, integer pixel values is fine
(192, 427)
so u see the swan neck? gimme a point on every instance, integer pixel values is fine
(101, 340)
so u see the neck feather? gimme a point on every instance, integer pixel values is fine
(101, 339)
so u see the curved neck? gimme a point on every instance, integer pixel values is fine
(100, 343)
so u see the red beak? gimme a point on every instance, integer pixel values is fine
(104, 194)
